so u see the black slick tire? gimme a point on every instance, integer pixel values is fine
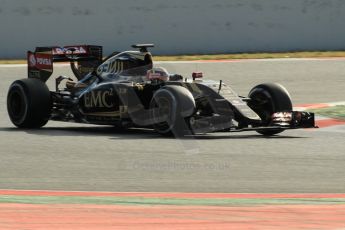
(29, 103)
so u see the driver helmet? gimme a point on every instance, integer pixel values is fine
(157, 73)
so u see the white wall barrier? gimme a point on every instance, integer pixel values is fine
(176, 27)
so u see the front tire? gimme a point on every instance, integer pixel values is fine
(267, 99)
(29, 103)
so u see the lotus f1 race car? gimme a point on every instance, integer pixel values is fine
(126, 90)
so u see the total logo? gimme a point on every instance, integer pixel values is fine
(39, 60)
(43, 61)
(32, 60)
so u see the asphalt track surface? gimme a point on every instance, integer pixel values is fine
(67, 156)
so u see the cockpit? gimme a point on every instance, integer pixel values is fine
(128, 66)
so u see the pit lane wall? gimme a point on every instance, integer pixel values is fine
(176, 27)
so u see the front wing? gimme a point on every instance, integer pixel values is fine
(280, 121)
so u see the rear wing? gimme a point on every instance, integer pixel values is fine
(40, 62)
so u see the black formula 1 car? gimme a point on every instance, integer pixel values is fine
(125, 90)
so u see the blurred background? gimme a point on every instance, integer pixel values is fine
(176, 27)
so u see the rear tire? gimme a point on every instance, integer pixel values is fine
(29, 103)
(177, 104)
(267, 99)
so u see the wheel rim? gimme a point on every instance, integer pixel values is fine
(164, 109)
